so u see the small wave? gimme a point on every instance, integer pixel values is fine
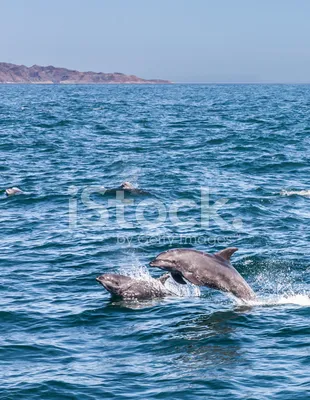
(305, 193)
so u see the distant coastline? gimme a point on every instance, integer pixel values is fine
(12, 74)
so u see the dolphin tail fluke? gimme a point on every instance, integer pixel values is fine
(226, 253)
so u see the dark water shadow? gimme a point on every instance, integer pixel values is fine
(211, 340)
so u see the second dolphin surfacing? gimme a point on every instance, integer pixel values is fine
(129, 288)
(203, 269)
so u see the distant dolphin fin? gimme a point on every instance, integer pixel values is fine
(226, 253)
(178, 278)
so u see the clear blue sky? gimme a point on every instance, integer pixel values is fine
(181, 40)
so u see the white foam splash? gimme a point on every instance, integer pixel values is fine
(276, 284)
(300, 299)
(187, 290)
(140, 272)
(137, 271)
(305, 193)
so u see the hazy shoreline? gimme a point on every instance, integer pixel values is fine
(36, 74)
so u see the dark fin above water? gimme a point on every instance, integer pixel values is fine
(226, 253)
(178, 278)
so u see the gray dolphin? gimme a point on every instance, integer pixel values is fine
(129, 188)
(203, 269)
(126, 187)
(12, 191)
(134, 289)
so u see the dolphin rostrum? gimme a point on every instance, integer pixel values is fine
(129, 288)
(203, 269)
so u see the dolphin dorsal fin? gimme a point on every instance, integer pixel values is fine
(226, 253)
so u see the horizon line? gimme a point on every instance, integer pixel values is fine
(241, 83)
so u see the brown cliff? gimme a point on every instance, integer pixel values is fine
(12, 73)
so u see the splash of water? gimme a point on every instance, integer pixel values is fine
(188, 290)
(275, 284)
(140, 272)
(298, 299)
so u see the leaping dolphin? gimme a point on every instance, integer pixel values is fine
(129, 288)
(203, 269)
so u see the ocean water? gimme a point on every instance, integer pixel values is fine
(233, 160)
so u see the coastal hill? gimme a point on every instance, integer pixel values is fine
(12, 73)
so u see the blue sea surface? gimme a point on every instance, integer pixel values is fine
(234, 160)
